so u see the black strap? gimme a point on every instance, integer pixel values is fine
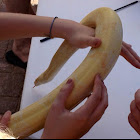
(126, 5)
(48, 38)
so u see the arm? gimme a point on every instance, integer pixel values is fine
(14, 26)
(63, 124)
(22, 25)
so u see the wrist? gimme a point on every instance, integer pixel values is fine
(63, 28)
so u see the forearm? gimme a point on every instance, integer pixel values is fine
(14, 26)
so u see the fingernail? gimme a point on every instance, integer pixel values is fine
(98, 42)
(99, 76)
(8, 112)
(69, 81)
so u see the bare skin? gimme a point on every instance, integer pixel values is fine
(63, 124)
(4, 120)
(58, 31)
(134, 116)
(130, 55)
(34, 27)
(21, 47)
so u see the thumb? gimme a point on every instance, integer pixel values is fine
(137, 99)
(93, 42)
(6, 118)
(64, 94)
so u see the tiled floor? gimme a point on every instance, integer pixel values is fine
(11, 80)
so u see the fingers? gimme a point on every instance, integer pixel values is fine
(93, 101)
(135, 112)
(93, 42)
(129, 47)
(98, 113)
(134, 123)
(133, 53)
(137, 99)
(130, 55)
(134, 117)
(6, 118)
(95, 106)
(64, 94)
(130, 58)
(126, 44)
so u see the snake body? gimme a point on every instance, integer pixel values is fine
(100, 60)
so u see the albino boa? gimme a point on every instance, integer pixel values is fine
(101, 60)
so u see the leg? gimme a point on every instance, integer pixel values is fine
(21, 47)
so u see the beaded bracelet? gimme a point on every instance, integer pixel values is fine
(50, 35)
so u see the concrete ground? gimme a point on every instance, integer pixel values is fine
(11, 80)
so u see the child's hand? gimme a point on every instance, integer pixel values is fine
(134, 117)
(63, 124)
(81, 36)
(130, 55)
(4, 120)
(76, 34)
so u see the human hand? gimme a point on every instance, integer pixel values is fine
(63, 124)
(81, 36)
(4, 120)
(130, 55)
(134, 117)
